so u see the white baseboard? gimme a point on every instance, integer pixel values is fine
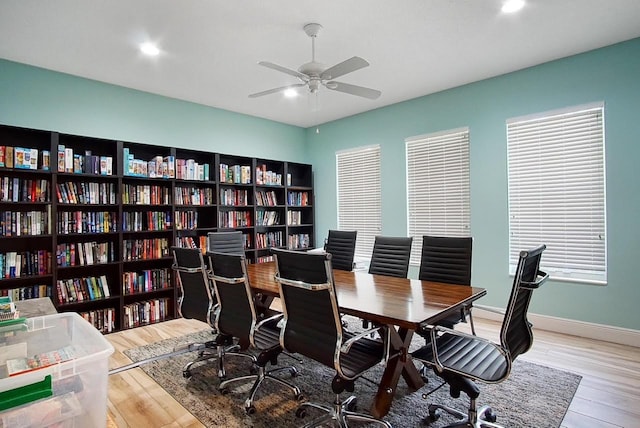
(607, 333)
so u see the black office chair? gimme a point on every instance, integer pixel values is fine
(341, 244)
(460, 359)
(231, 242)
(391, 256)
(312, 328)
(448, 260)
(197, 302)
(237, 316)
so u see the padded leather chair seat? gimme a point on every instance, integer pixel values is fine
(478, 358)
(363, 355)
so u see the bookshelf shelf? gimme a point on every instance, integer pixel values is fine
(102, 215)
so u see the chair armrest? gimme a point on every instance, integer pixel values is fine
(269, 319)
(346, 346)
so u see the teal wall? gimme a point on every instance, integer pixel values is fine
(610, 74)
(36, 98)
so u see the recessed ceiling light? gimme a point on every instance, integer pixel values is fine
(149, 48)
(511, 6)
(290, 93)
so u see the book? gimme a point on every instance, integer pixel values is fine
(16, 366)
(61, 160)
(46, 160)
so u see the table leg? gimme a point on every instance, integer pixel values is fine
(399, 363)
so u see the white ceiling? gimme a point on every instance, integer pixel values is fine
(210, 48)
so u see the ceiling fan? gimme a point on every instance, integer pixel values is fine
(314, 74)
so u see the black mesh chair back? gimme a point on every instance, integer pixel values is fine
(391, 256)
(446, 259)
(231, 242)
(236, 313)
(515, 335)
(196, 300)
(341, 244)
(313, 326)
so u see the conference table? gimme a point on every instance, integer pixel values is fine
(401, 304)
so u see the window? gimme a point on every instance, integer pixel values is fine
(437, 186)
(556, 191)
(359, 197)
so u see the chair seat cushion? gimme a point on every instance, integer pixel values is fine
(267, 336)
(363, 354)
(468, 356)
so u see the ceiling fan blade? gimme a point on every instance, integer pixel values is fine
(360, 91)
(282, 69)
(352, 64)
(274, 90)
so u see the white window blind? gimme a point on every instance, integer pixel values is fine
(557, 191)
(437, 186)
(359, 200)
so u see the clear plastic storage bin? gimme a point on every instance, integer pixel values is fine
(69, 393)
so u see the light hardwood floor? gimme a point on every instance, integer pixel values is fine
(608, 395)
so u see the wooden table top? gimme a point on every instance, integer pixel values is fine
(402, 302)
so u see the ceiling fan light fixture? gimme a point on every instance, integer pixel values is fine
(290, 93)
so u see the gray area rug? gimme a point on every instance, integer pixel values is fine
(533, 396)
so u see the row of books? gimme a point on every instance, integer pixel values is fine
(101, 319)
(137, 221)
(234, 197)
(18, 264)
(14, 189)
(299, 199)
(233, 219)
(269, 240)
(147, 312)
(86, 163)
(28, 292)
(24, 223)
(85, 253)
(139, 194)
(235, 174)
(194, 196)
(24, 158)
(267, 218)
(82, 289)
(298, 241)
(157, 167)
(70, 192)
(189, 169)
(146, 280)
(192, 242)
(145, 249)
(264, 198)
(294, 218)
(86, 222)
(186, 220)
(266, 177)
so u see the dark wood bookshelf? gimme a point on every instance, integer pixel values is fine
(192, 199)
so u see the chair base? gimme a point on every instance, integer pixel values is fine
(211, 350)
(481, 418)
(340, 413)
(258, 379)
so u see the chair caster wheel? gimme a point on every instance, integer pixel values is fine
(186, 374)
(224, 391)
(253, 369)
(489, 415)
(353, 405)
(300, 397)
(293, 371)
(434, 415)
(301, 412)
(250, 410)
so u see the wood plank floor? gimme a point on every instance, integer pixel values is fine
(608, 396)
